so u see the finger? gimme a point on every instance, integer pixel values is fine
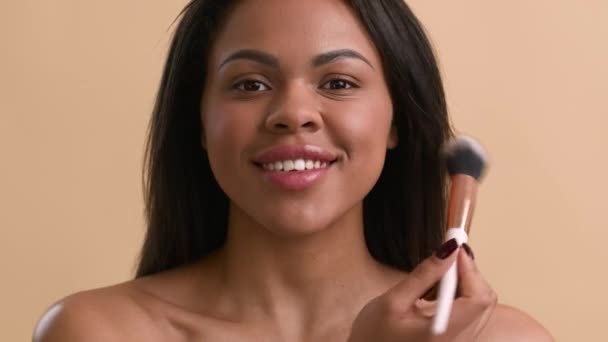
(425, 308)
(471, 283)
(424, 276)
(431, 294)
(466, 315)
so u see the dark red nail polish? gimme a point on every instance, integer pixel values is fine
(469, 251)
(446, 249)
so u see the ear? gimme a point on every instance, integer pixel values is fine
(393, 138)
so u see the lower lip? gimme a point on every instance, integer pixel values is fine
(295, 180)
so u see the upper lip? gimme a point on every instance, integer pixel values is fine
(294, 152)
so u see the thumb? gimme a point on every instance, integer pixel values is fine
(424, 276)
(470, 281)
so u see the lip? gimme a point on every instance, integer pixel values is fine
(294, 152)
(294, 180)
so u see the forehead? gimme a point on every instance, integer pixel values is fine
(292, 29)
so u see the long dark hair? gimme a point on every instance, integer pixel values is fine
(186, 211)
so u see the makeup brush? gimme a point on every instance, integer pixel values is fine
(466, 162)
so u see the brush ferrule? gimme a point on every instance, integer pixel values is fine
(463, 190)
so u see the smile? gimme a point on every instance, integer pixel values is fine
(291, 176)
(295, 165)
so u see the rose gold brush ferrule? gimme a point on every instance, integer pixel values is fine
(463, 192)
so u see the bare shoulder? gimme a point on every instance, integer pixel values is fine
(106, 314)
(511, 324)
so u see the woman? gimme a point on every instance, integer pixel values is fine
(295, 190)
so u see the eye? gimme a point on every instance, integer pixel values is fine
(339, 83)
(251, 85)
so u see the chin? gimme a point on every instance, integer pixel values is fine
(295, 227)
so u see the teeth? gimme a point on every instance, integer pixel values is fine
(297, 165)
(288, 165)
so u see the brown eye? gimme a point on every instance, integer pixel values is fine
(251, 85)
(338, 83)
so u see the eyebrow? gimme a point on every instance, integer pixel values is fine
(271, 61)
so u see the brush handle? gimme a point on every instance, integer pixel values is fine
(447, 286)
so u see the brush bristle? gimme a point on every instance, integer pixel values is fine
(464, 155)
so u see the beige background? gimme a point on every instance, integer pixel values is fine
(77, 83)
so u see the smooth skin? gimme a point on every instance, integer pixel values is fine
(295, 266)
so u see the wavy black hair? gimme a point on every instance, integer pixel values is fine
(404, 213)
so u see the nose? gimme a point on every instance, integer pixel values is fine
(295, 110)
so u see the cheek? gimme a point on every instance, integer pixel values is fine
(227, 128)
(363, 132)
(364, 129)
(228, 132)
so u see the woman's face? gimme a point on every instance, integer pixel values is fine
(309, 80)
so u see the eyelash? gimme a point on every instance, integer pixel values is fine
(350, 84)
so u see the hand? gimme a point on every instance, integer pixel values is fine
(399, 315)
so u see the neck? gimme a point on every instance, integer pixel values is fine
(299, 282)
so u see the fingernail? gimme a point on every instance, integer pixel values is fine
(446, 249)
(469, 251)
